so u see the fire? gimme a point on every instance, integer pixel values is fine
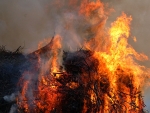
(47, 87)
(45, 91)
(103, 78)
(124, 74)
(88, 8)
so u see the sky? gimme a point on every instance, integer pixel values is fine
(26, 22)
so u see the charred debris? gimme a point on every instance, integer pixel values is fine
(77, 82)
(11, 67)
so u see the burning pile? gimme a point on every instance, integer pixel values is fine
(91, 81)
(101, 77)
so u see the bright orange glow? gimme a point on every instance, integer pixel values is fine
(118, 62)
(118, 78)
(47, 88)
(88, 8)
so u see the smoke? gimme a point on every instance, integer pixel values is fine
(13, 109)
(26, 22)
(10, 98)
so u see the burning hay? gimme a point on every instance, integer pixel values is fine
(102, 77)
(94, 87)
(84, 85)
(81, 85)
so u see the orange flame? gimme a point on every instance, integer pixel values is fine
(118, 62)
(46, 95)
(88, 8)
(118, 72)
(47, 87)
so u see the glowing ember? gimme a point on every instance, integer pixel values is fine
(95, 80)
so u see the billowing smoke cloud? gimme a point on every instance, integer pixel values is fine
(27, 22)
